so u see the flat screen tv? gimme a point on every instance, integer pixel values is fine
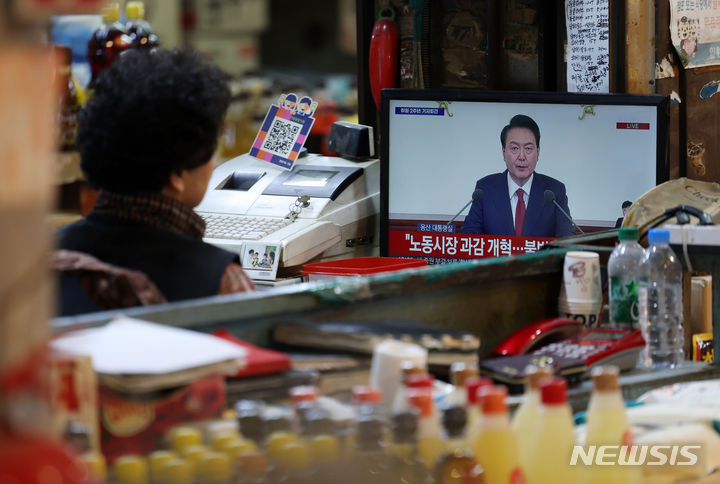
(594, 152)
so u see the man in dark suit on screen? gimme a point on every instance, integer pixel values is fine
(515, 201)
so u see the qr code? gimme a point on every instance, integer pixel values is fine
(281, 137)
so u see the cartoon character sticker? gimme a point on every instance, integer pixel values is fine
(284, 130)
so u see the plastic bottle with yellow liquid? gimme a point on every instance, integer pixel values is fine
(496, 445)
(523, 421)
(607, 424)
(553, 437)
(430, 440)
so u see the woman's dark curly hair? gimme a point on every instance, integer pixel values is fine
(152, 114)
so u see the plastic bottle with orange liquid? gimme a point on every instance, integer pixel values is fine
(496, 445)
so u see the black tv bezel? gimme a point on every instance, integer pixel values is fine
(661, 103)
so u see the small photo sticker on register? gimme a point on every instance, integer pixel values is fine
(260, 260)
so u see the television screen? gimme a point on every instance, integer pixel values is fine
(578, 156)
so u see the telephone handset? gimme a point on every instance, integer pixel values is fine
(537, 334)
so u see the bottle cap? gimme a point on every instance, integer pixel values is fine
(369, 430)
(628, 233)
(324, 448)
(420, 381)
(278, 440)
(303, 393)
(111, 12)
(157, 461)
(252, 426)
(421, 398)
(177, 471)
(473, 385)
(535, 374)
(553, 391)
(404, 425)
(239, 447)
(409, 367)
(493, 399)
(181, 437)
(362, 394)
(131, 469)
(135, 10)
(222, 440)
(318, 423)
(215, 467)
(254, 463)
(605, 378)
(276, 423)
(460, 372)
(659, 236)
(96, 466)
(454, 420)
(194, 453)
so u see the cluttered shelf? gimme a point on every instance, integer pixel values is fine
(487, 300)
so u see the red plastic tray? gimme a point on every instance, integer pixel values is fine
(360, 266)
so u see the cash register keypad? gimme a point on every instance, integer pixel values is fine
(241, 227)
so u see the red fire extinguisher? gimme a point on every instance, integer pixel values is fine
(384, 51)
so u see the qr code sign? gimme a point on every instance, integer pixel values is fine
(281, 137)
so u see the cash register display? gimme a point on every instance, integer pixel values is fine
(310, 178)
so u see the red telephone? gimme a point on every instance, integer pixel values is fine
(567, 344)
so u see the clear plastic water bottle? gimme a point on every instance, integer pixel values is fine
(624, 274)
(661, 309)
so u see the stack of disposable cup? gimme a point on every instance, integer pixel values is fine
(581, 291)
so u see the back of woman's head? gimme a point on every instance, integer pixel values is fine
(152, 114)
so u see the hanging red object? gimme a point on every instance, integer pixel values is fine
(384, 52)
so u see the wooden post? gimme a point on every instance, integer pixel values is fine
(640, 46)
(27, 111)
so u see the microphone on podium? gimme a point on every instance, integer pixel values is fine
(476, 196)
(550, 197)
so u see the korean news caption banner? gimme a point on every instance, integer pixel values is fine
(443, 248)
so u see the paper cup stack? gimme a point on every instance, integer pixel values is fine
(581, 291)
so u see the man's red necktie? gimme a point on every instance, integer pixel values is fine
(519, 213)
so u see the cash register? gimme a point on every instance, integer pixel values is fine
(324, 208)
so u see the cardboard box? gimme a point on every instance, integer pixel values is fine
(138, 423)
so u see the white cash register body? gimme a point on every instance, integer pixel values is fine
(251, 200)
